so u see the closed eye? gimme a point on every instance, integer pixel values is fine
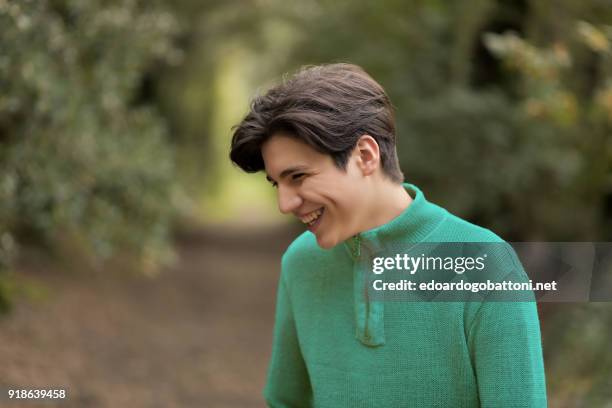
(293, 177)
(274, 183)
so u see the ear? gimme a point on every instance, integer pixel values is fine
(368, 155)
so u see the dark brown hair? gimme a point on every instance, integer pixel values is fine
(328, 107)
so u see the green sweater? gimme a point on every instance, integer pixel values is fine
(334, 347)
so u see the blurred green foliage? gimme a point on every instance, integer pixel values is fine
(503, 111)
(469, 126)
(504, 117)
(577, 105)
(84, 162)
(110, 110)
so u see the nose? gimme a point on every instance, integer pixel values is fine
(288, 199)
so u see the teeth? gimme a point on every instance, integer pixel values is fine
(312, 217)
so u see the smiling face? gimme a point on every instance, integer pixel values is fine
(310, 186)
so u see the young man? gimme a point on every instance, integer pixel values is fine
(326, 140)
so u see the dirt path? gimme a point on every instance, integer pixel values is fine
(199, 335)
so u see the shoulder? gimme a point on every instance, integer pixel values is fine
(301, 247)
(474, 233)
(500, 253)
(458, 229)
(301, 254)
(305, 266)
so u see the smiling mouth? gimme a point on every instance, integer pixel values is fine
(313, 218)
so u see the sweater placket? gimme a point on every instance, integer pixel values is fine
(369, 314)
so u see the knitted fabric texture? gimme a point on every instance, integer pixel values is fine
(334, 347)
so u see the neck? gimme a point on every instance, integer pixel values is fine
(387, 202)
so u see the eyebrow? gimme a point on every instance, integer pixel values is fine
(287, 172)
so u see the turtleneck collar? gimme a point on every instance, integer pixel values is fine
(413, 225)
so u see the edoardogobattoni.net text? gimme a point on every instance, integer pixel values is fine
(474, 287)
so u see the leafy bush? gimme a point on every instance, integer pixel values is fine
(82, 159)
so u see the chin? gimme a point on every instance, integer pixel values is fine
(326, 243)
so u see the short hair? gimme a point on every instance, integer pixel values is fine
(328, 107)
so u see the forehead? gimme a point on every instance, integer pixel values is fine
(280, 152)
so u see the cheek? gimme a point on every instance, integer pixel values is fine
(335, 192)
(319, 191)
(342, 209)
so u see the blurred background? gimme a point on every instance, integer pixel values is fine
(138, 267)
